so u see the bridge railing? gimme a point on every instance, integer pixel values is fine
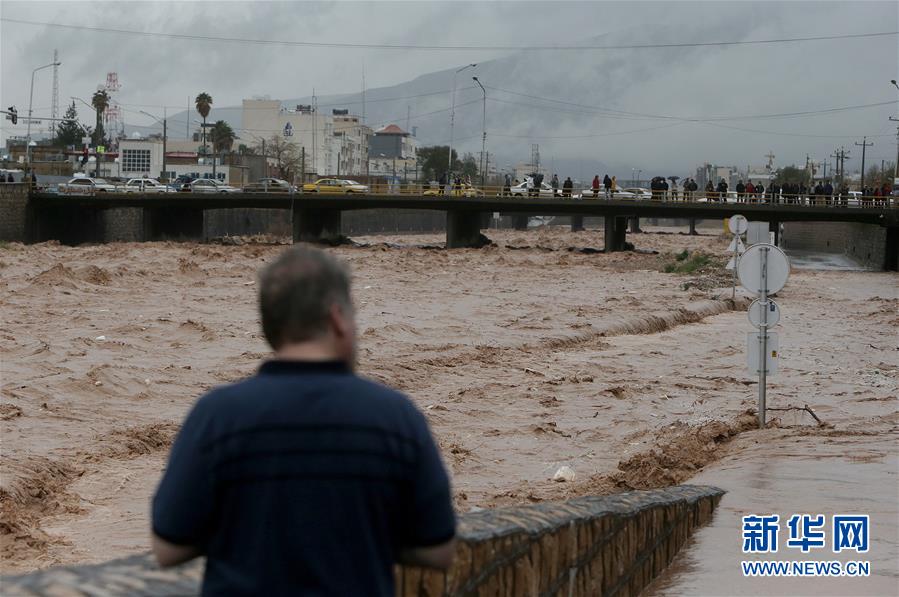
(464, 190)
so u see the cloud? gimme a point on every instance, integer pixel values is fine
(694, 82)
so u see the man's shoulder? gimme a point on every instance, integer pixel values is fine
(247, 392)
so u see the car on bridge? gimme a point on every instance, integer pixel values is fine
(467, 190)
(84, 185)
(601, 194)
(270, 185)
(146, 185)
(208, 185)
(333, 186)
(526, 189)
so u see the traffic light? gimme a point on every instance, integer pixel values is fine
(13, 115)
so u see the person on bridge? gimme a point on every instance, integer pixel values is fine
(750, 192)
(710, 191)
(741, 189)
(507, 185)
(304, 478)
(760, 191)
(554, 183)
(566, 187)
(722, 190)
(613, 186)
(607, 184)
(595, 185)
(443, 184)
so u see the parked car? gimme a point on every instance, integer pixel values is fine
(601, 194)
(270, 185)
(335, 186)
(146, 185)
(467, 190)
(83, 185)
(208, 185)
(638, 192)
(524, 188)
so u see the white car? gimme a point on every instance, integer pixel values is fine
(208, 185)
(83, 185)
(638, 192)
(146, 185)
(601, 194)
(523, 189)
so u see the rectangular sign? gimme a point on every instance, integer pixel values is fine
(757, 233)
(753, 350)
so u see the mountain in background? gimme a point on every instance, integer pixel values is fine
(605, 111)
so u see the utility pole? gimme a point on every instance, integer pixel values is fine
(453, 118)
(896, 173)
(484, 137)
(864, 145)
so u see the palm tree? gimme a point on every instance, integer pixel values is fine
(222, 136)
(100, 101)
(204, 103)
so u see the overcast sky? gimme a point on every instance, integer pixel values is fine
(156, 72)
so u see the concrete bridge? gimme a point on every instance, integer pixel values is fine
(317, 218)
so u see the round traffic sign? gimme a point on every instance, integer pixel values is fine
(738, 224)
(768, 279)
(759, 310)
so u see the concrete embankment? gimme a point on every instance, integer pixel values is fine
(610, 545)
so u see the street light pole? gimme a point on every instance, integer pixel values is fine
(30, 102)
(484, 136)
(896, 172)
(449, 167)
(164, 122)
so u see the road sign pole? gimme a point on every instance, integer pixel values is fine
(733, 291)
(763, 345)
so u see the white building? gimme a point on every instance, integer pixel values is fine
(351, 140)
(143, 157)
(333, 144)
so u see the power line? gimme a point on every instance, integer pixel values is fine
(621, 113)
(309, 44)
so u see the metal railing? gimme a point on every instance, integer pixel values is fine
(850, 200)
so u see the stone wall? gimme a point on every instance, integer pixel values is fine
(13, 212)
(866, 243)
(123, 224)
(610, 545)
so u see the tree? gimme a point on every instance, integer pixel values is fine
(433, 161)
(100, 101)
(287, 157)
(878, 177)
(69, 131)
(204, 104)
(469, 166)
(222, 136)
(791, 175)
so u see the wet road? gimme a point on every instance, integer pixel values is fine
(840, 474)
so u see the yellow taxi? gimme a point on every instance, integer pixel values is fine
(340, 186)
(467, 190)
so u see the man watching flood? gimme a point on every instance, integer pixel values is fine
(304, 478)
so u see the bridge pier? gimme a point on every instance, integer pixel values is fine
(775, 228)
(615, 233)
(891, 250)
(463, 230)
(693, 227)
(635, 225)
(520, 221)
(577, 223)
(320, 226)
(172, 223)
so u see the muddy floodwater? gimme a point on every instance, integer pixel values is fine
(529, 355)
